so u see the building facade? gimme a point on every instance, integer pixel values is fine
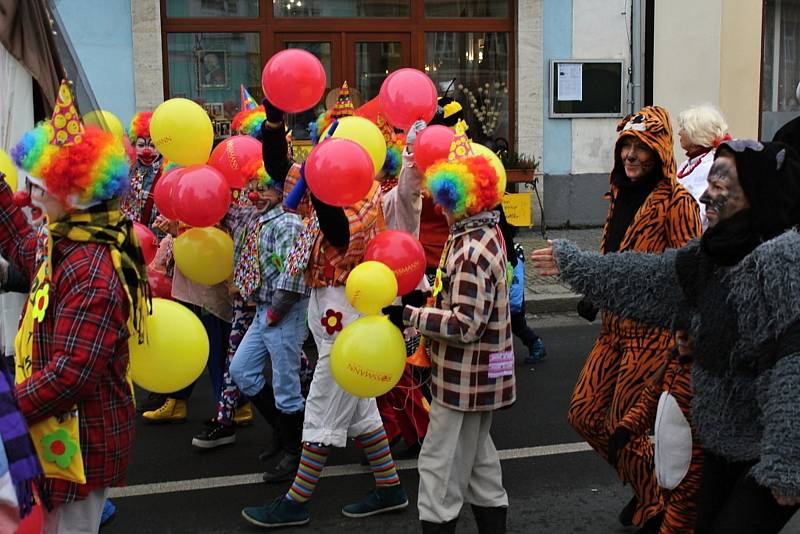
(507, 61)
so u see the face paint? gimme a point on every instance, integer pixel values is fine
(637, 158)
(724, 195)
(146, 151)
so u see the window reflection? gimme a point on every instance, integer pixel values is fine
(472, 68)
(341, 8)
(212, 8)
(466, 8)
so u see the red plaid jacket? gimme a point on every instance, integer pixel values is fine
(469, 330)
(80, 352)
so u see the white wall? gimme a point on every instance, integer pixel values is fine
(599, 31)
(686, 57)
(529, 80)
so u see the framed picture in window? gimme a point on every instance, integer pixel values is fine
(215, 110)
(222, 128)
(212, 68)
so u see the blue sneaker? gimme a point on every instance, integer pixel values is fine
(108, 512)
(538, 352)
(281, 512)
(378, 501)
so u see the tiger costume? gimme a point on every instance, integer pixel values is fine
(627, 353)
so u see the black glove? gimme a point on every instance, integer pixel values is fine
(587, 310)
(274, 115)
(618, 440)
(395, 314)
(415, 298)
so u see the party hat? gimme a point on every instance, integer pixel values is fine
(344, 105)
(460, 147)
(248, 102)
(67, 126)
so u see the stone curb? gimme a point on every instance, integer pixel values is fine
(542, 303)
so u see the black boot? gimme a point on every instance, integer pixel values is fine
(490, 520)
(439, 528)
(652, 525)
(626, 514)
(290, 435)
(264, 401)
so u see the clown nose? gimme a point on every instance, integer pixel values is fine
(252, 196)
(22, 199)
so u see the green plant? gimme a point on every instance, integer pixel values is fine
(514, 160)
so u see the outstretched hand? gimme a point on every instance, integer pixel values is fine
(544, 261)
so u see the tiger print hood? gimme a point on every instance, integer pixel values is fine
(652, 126)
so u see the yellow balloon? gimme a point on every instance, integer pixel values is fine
(182, 131)
(8, 168)
(368, 357)
(105, 120)
(494, 159)
(366, 134)
(370, 287)
(175, 351)
(204, 255)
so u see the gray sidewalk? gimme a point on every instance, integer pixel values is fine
(543, 294)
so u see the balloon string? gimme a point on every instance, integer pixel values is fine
(406, 401)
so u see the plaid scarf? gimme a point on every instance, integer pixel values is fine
(104, 223)
(23, 464)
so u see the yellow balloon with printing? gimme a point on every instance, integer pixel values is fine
(204, 255)
(370, 287)
(368, 357)
(182, 131)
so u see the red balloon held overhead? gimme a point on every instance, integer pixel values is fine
(235, 158)
(201, 196)
(147, 240)
(339, 172)
(403, 254)
(162, 193)
(432, 144)
(294, 80)
(406, 96)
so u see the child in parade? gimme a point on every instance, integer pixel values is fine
(89, 295)
(472, 358)
(331, 245)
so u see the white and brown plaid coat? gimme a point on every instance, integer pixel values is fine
(469, 330)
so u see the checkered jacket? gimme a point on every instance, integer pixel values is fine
(470, 325)
(80, 352)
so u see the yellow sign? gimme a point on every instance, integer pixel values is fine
(518, 208)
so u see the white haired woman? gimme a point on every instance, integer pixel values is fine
(700, 129)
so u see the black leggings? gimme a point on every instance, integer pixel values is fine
(730, 501)
(520, 328)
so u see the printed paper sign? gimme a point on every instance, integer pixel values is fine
(570, 81)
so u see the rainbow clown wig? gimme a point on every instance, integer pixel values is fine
(80, 174)
(140, 125)
(248, 121)
(463, 187)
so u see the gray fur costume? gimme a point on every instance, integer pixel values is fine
(746, 323)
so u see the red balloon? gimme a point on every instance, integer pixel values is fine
(294, 80)
(407, 95)
(147, 240)
(201, 196)
(160, 284)
(339, 172)
(403, 254)
(432, 144)
(237, 158)
(162, 193)
(33, 523)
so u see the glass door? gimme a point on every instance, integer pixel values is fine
(370, 57)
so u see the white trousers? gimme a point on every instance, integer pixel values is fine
(332, 414)
(458, 464)
(78, 517)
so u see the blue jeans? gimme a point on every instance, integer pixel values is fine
(218, 333)
(282, 343)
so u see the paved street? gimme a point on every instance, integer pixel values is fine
(553, 488)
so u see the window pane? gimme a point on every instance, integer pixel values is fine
(374, 62)
(466, 8)
(298, 122)
(212, 8)
(209, 67)
(342, 8)
(472, 68)
(780, 65)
